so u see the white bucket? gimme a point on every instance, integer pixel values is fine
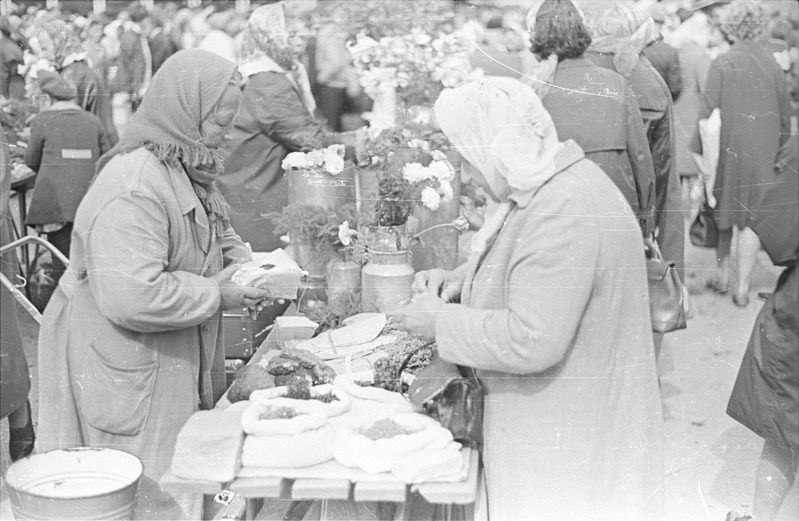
(78, 483)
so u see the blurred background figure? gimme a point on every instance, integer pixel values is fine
(748, 87)
(10, 57)
(65, 144)
(663, 56)
(333, 71)
(217, 38)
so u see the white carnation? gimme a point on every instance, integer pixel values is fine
(316, 157)
(415, 172)
(334, 165)
(430, 198)
(441, 170)
(438, 155)
(445, 189)
(295, 160)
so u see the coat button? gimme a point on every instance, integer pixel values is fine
(640, 156)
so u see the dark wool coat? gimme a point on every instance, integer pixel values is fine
(766, 394)
(657, 110)
(583, 95)
(666, 61)
(272, 122)
(748, 87)
(92, 94)
(63, 149)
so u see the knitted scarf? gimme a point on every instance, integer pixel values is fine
(182, 94)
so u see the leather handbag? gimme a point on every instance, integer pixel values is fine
(452, 395)
(704, 230)
(666, 297)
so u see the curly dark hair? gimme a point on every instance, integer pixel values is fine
(559, 29)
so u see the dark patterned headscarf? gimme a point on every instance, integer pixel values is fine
(182, 94)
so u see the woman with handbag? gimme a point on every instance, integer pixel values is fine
(552, 313)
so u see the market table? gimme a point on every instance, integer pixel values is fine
(449, 500)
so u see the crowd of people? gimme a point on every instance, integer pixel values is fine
(158, 142)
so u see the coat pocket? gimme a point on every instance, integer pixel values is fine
(116, 399)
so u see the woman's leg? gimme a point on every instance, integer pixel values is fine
(748, 246)
(775, 476)
(721, 280)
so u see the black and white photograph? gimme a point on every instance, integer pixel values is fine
(399, 260)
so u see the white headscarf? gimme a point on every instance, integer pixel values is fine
(500, 126)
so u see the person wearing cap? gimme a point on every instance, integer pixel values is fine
(65, 144)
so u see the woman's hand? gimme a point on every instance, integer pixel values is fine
(235, 296)
(419, 317)
(446, 285)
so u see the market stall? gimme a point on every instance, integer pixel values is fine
(451, 497)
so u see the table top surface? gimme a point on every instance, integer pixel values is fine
(375, 487)
(23, 182)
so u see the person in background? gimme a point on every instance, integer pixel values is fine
(134, 67)
(565, 79)
(619, 34)
(151, 261)
(664, 57)
(217, 39)
(161, 45)
(692, 41)
(765, 397)
(15, 380)
(263, 134)
(72, 63)
(572, 417)
(10, 57)
(64, 146)
(333, 70)
(749, 89)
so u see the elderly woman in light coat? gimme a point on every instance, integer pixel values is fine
(131, 343)
(552, 312)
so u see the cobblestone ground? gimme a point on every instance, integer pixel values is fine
(711, 460)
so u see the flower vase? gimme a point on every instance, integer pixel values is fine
(306, 186)
(344, 285)
(386, 281)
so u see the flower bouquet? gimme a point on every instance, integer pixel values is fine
(319, 177)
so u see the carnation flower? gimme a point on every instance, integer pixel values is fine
(334, 164)
(445, 189)
(295, 160)
(316, 157)
(415, 172)
(438, 155)
(430, 198)
(419, 143)
(461, 224)
(345, 234)
(441, 170)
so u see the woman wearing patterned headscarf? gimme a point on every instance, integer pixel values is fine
(619, 33)
(276, 118)
(749, 89)
(551, 310)
(139, 310)
(608, 125)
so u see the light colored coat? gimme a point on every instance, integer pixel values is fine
(556, 321)
(131, 342)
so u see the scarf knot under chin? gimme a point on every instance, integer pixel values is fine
(214, 204)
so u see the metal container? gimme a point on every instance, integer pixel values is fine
(312, 294)
(78, 483)
(343, 285)
(386, 281)
(321, 189)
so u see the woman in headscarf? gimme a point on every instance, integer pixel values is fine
(593, 106)
(71, 61)
(138, 312)
(619, 34)
(552, 312)
(749, 89)
(276, 118)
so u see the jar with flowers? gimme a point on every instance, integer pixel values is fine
(320, 177)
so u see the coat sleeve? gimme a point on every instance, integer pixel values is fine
(127, 254)
(233, 248)
(35, 149)
(283, 117)
(549, 283)
(640, 157)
